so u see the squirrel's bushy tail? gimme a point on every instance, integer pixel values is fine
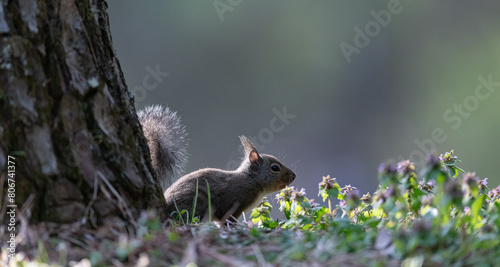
(167, 142)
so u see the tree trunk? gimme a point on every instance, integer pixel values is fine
(68, 124)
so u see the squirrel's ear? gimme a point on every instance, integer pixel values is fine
(255, 160)
(254, 157)
(251, 153)
(247, 145)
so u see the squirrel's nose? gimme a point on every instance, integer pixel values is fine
(292, 176)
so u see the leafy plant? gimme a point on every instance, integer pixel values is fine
(441, 209)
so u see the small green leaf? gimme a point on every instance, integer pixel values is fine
(255, 214)
(475, 208)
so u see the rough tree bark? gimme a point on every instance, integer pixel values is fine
(67, 117)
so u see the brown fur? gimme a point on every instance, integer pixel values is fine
(231, 192)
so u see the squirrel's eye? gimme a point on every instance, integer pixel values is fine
(275, 168)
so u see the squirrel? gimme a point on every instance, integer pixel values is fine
(231, 192)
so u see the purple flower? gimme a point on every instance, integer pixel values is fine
(426, 186)
(494, 193)
(313, 204)
(453, 189)
(448, 157)
(285, 193)
(386, 168)
(433, 160)
(483, 183)
(302, 192)
(327, 182)
(383, 194)
(367, 199)
(298, 194)
(470, 178)
(405, 166)
(348, 189)
(467, 211)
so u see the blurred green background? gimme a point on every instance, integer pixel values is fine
(413, 77)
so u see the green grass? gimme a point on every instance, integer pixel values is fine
(438, 216)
